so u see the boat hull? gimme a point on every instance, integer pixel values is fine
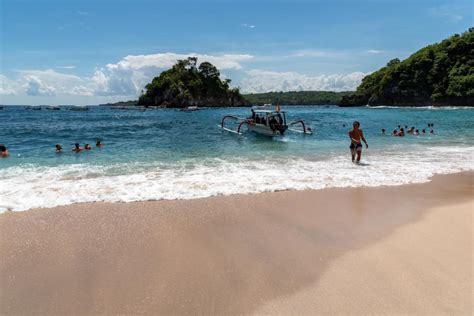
(263, 130)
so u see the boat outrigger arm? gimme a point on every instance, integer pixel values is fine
(265, 121)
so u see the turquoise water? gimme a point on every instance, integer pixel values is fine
(168, 154)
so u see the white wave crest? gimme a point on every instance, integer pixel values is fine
(31, 186)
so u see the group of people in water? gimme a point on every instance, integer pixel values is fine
(77, 147)
(400, 132)
(59, 149)
(357, 137)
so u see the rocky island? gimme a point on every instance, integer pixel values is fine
(441, 74)
(187, 84)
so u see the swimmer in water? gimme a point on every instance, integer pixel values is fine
(59, 148)
(77, 148)
(4, 151)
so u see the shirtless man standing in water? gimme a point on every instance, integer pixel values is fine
(356, 135)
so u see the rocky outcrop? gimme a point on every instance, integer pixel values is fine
(185, 85)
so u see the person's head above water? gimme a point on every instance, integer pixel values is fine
(4, 151)
(76, 145)
(356, 124)
(58, 147)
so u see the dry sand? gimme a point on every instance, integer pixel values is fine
(386, 250)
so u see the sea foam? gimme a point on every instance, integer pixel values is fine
(30, 186)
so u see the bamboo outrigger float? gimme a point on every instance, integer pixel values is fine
(266, 121)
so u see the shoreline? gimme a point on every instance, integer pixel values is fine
(244, 253)
(224, 195)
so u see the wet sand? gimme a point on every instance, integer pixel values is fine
(385, 250)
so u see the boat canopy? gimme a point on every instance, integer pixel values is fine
(268, 109)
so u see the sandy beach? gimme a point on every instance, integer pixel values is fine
(354, 251)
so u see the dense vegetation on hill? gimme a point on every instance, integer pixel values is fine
(297, 97)
(439, 74)
(186, 84)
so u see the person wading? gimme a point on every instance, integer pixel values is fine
(356, 135)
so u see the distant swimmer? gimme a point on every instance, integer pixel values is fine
(87, 147)
(383, 131)
(99, 144)
(423, 131)
(77, 148)
(4, 151)
(395, 132)
(417, 132)
(356, 135)
(402, 132)
(59, 148)
(432, 131)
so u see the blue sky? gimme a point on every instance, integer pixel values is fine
(88, 52)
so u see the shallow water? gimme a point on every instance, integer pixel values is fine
(169, 154)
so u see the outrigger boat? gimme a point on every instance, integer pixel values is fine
(267, 121)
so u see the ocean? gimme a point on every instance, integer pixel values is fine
(169, 154)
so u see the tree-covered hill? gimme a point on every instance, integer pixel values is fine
(186, 84)
(439, 74)
(297, 97)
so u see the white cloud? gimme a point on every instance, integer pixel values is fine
(310, 53)
(8, 86)
(66, 67)
(451, 13)
(166, 60)
(250, 26)
(264, 81)
(49, 82)
(375, 51)
(132, 73)
(35, 87)
(124, 78)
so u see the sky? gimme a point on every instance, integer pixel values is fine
(91, 52)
